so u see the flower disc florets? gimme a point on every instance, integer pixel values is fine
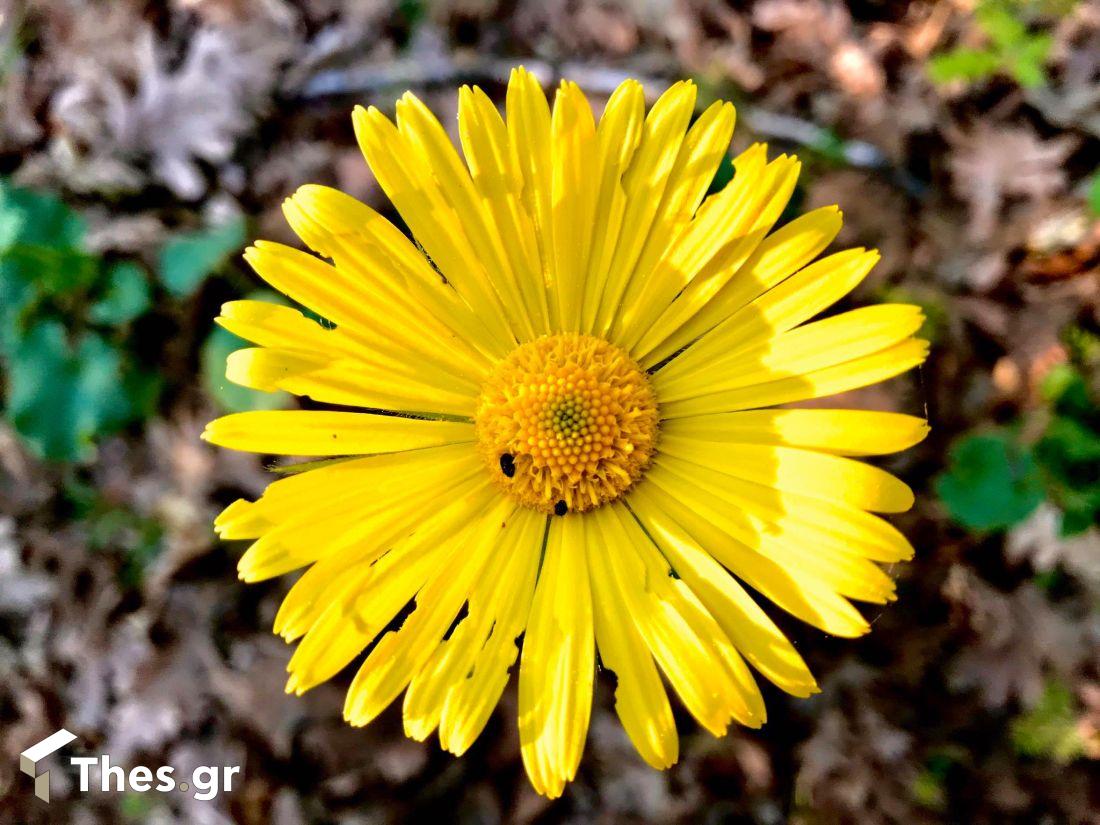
(566, 423)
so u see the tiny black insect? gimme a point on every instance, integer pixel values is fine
(507, 464)
(560, 509)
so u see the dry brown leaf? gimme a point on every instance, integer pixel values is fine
(1016, 638)
(990, 164)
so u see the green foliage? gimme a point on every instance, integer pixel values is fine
(722, 175)
(138, 539)
(135, 539)
(136, 807)
(411, 11)
(995, 480)
(186, 260)
(1069, 450)
(125, 297)
(1012, 48)
(991, 482)
(64, 317)
(1092, 193)
(61, 394)
(929, 787)
(1049, 730)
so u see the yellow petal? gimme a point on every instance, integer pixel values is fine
(308, 432)
(498, 177)
(346, 381)
(395, 483)
(557, 663)
(400, 654)
(381, 260)
(844, 571)
(696, 656)
(698, 157)
(719, 240)
(284, 328)
(755, 635)
(797, 299)
(403, 170)
(841, 432)
(508, 577)
(470, 702)
(573, 155)
(640, 698)
(818, 475)
(836, 340)
(426, 136)
(618, 135)
(799, 594)
(833, 527)
(781, 253)
(352, 622)
(830, 380)
(648, 217)
(432, 523)
(528, 121)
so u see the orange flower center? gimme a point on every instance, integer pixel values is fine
(566, 423)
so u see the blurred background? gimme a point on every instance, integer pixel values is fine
(142, 144)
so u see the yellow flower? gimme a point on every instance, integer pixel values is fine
(561, 429)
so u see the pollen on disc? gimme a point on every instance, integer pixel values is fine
(576, 418)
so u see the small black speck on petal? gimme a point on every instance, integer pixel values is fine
(560, 509)
(507, 464)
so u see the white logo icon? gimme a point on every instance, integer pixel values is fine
(29, 759)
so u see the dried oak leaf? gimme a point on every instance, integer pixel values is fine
(1016, 638)
(176, 116)
(1039, 540)
(990, 164)
(858, 767)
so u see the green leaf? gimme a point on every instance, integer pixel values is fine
(1002, 26)
(139, 539)
(33, 218)
(126, 296)
(1092, 193)
(1069, 450)
(1028, 63)
(1049, 730)
(722, 175)
(187, 260)
(40, 256)
(991, 483)
(59, 396)
(970, 65)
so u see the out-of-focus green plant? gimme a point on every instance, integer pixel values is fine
(1069, 450)
(991, 482)
(187, 259)
(994, 480)
(1049, 730)
(115, 529)
(929, 787)
(1012, 48)
(65, 318)
(1092, 193)
(71, 372)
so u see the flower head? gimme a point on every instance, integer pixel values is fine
(564, 437)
